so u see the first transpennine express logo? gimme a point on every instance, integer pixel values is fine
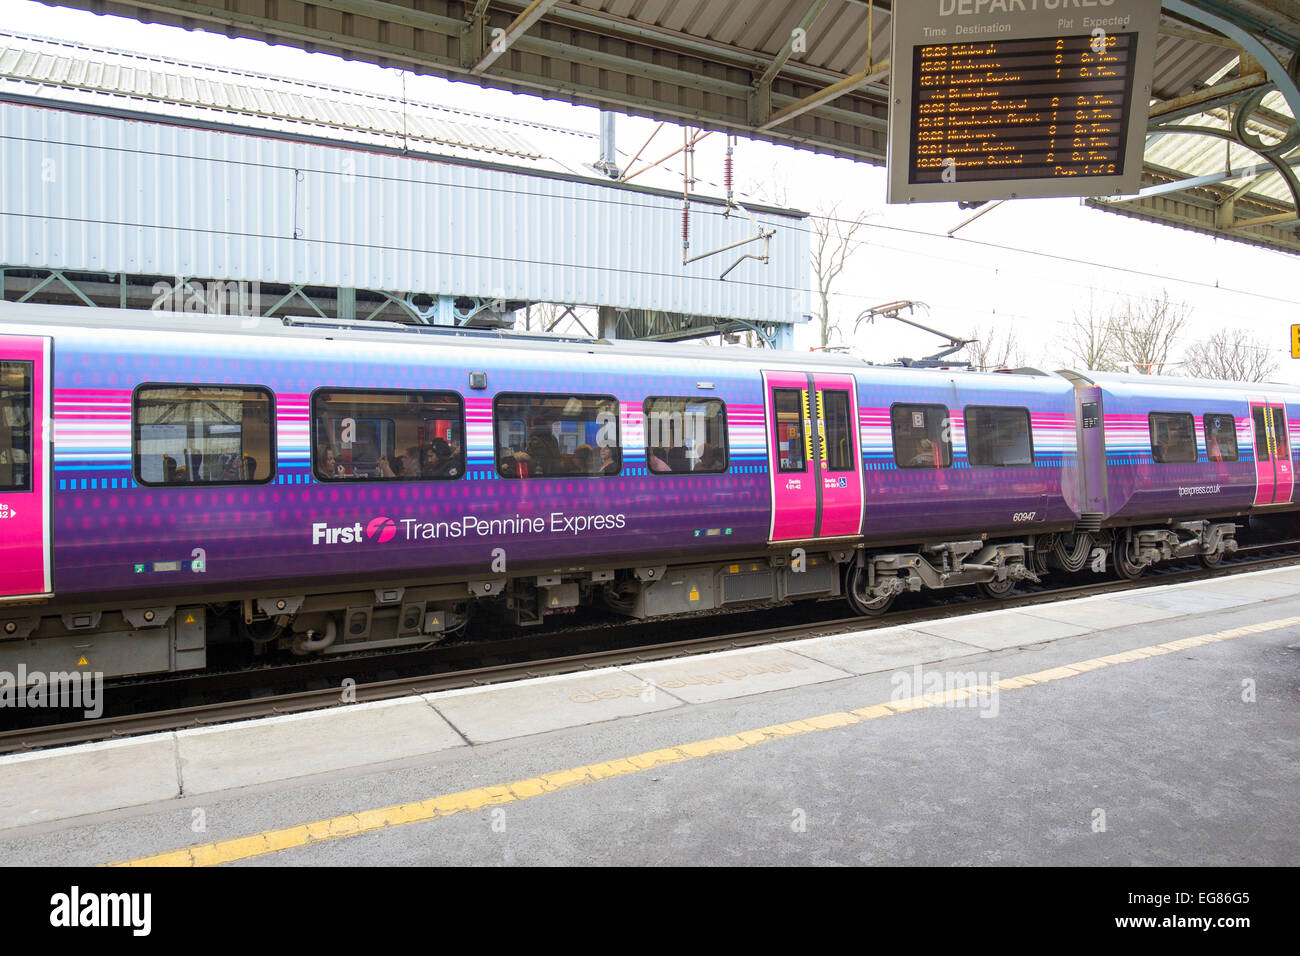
(379, 530)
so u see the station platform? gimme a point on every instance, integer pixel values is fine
(1155, 726)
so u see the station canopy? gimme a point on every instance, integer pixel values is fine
(1220, 157)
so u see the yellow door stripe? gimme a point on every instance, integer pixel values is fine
(369, 821)
(807, 431)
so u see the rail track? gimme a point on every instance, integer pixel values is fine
(263, 692)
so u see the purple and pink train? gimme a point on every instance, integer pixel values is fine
(168, 482)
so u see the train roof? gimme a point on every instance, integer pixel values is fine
(1148, 384)
(317, 329)
(320, 329)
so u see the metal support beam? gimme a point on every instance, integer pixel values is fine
(608, 323)
(1251, 183)
(628, 175)
(1171, 29)
(608, 162)
(295, 290)
(760, 100)
(472, 42)
(846, 85)
(518, 27)
(1211, 179)
(799, 32)
(1235, 11)
(1280, 165)
(1277, 72)
(200, 296)
(57, 275)
(1263, 221)
(1220, 94)
(346, 303)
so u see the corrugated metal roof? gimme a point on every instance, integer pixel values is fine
(1196, 155)
(690, 61)
(837, 41)
(1182, 64)
(169, 86)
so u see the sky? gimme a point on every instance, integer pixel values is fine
(1025, 268)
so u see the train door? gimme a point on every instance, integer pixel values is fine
(813, 456)
(25, 567)
(1274, 477)
(1092, 449)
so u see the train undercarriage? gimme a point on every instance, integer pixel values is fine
(177, 637)
(875, 580)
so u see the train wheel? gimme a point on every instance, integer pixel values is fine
(873, 608)
(1211, 559)
(1125, 566)
(860, 600)
(998, 590)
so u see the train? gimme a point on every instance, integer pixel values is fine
(171, 483)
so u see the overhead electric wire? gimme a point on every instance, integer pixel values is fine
(1059, 258)
(625, 200)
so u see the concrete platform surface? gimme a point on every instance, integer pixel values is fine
(484, 714)
(996, 630)
(71, 781)
(735, 674)
(440, 737)
(256, 751)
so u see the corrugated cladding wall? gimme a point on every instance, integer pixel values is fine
(96, 193)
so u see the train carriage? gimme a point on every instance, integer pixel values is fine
(168, 482)
(1176, 461)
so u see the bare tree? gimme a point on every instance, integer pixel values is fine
(1232, 355)
(989, 350)
(1091, 341)
(538, 316)
(1148, 330)
(834, 241)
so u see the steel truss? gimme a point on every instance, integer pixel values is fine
(292, 300)
(253, 299)
(1210, 202)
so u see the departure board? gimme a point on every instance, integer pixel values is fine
(987, 112)
(1007, 110)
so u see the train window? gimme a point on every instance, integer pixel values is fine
(387, 435)
(556, 436)
(15, 426)
(1280, 432)
(1220, 437)
(921, 437)
(999, 437)
(204, 435)
(1261, 435)
(685, 436)
(791, 439)
(1270, 432)
(1173, 438)
(839, 430)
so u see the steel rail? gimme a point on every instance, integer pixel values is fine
(116, 728)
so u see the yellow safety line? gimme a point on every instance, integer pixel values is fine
(369, 821)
